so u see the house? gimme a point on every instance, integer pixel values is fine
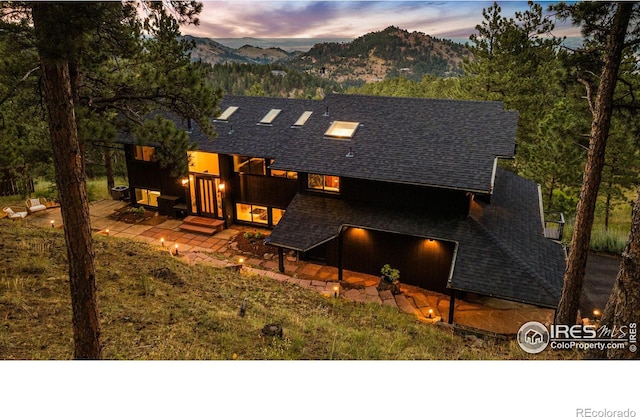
(357, 182)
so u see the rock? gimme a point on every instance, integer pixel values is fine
(272, 330)
(233, 245)
(394, 287)
(268, 256)
(292, 258)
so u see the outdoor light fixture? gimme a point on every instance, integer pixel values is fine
(596, 314)
(185, 181)
(176, 248)
(335, 292)
(52, 221)
(430, 313)
(107, 232)
(221, 187)
(162, 241)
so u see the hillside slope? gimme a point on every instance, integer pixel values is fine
(389, 53)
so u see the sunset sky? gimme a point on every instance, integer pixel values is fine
(346, 19)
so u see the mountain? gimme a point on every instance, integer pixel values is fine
(389, 53)
(208, 50)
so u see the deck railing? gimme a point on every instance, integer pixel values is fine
(554, 225)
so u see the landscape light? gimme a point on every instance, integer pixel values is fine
(107, 232)
(176, 247)
(430, 313)
(162, 241)
(52, 221)
(335, 291)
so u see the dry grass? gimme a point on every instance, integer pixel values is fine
(153, 306)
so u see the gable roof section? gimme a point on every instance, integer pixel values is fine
(501, 250)
(440, 143)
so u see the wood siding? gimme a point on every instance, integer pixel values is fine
(423, 263)
(265, 191)
(405, 196)
(150, 175)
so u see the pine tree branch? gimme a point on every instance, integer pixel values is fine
(16, 85)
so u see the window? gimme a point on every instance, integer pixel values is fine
(248, 165)
(292, 175)
(147, 197)
(224, 117)
(329, 183)
(268, 119)
(342, 130)
(144, 153)
(276, 215)
(302, 119)
(251, 213)
(204, 162)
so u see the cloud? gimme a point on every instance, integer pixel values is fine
(340, 19)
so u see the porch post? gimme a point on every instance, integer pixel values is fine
(281, 260)
(340, 255)
(452, 306)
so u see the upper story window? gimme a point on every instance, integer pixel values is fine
(270, 117)
(292, 175)
(327, 183)
(226, 114)
(204, 162)
(248, 165)
(342, 130)
(302, 119)
(144, 153)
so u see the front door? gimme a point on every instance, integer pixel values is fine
(208, 196)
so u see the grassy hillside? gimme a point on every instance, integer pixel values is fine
(154, 306)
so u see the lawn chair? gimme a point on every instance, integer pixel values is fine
(14, 214)
(36, 204)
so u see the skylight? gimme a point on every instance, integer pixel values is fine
(227, 113)
(268, 119)
(342, 130)
(302, 119)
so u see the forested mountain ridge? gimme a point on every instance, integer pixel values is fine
(212, 52)
(385, 54)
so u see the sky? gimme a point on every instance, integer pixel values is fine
(346, 19)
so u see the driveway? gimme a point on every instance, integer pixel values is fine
(598, 281)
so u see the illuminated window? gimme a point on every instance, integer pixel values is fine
(147, 197)
(144, 153)
(302, 119)
(204, 162)
(292, 175)
(268, 119)
(248, 165)
(251, 213)
(226, 114)
(276, 215)
(342, 130)
(328, 183)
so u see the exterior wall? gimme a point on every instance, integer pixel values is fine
(405, 196)
(149, 175)
(422, 262)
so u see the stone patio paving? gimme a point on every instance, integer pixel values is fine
(485, 313)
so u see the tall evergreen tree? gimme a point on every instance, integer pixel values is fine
(98, 70)
(607, 23)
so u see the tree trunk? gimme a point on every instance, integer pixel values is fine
(74, 202)
(623, 307)
(574, 274)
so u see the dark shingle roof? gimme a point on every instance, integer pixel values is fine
(442, 143)
(501, 248)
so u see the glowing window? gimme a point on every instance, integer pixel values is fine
(302, 119)
(251, 213)
(227, 113)
(204, 162)
(144, 153)
(268, 119)
(276, 215)
(329, 183)
(342, 130)
(147, 197)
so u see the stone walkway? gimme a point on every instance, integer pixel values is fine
(490, 314)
